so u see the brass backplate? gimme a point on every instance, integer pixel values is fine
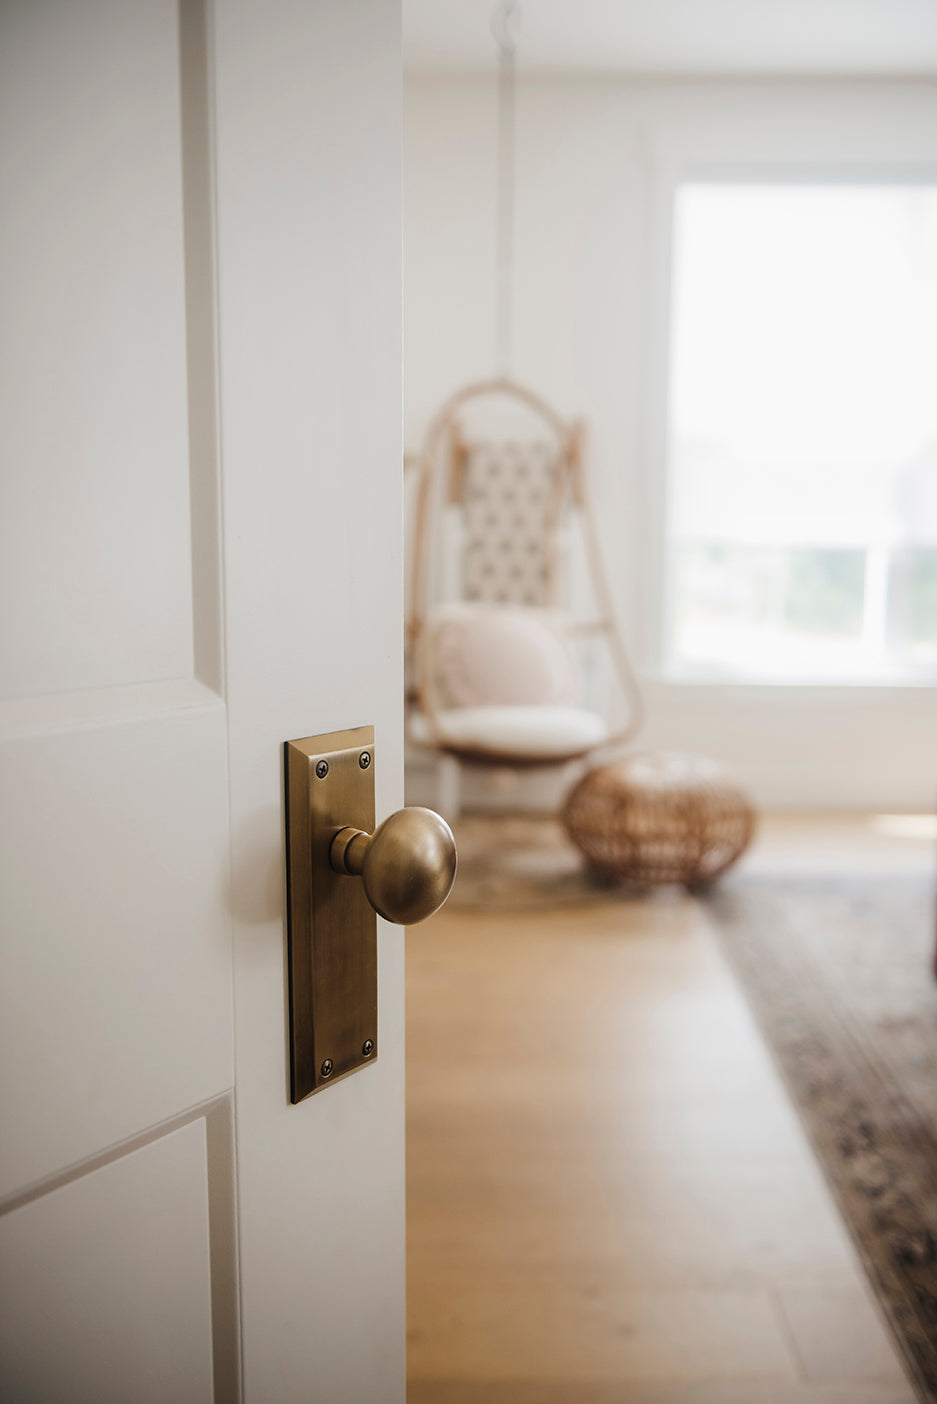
(332, 926)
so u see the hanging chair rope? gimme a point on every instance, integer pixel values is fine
(504, 25)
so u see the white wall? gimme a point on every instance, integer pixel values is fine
(597, 162)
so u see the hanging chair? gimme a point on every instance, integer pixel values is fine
(515, 658)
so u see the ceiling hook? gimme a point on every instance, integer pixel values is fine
(506, 23)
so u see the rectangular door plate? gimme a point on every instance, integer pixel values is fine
(332, 928)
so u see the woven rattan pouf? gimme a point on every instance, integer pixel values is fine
(661, 818)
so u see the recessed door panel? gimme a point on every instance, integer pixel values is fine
(105, 1291)
(116, 1011)
(95, 561)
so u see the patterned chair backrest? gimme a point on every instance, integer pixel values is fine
(508, 493)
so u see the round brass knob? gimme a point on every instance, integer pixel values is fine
(408, 864)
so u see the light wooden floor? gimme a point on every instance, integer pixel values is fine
(609, 1195)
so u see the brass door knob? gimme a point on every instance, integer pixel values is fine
(408, 864)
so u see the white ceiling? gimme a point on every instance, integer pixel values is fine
(681, 36)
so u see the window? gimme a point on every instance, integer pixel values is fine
(802, 491)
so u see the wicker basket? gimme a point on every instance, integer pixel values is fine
(661, 818)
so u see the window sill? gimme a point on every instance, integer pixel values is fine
(673, 683)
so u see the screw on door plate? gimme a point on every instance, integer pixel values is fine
(322, 769)
(364, 760)
(367, 1048)
(326, 1068)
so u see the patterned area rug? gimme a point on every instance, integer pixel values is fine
(839, 975)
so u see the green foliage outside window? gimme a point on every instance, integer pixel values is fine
(922, 597)
(825, 590)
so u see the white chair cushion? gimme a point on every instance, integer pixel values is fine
(554, 732)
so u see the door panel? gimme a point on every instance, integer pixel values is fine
(95, 569)
(113, 1268)
(117, 966)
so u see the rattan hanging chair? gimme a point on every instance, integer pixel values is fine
(515, 659)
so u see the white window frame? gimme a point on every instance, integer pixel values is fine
(852, 745)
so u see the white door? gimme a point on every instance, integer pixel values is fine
(200, 558)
